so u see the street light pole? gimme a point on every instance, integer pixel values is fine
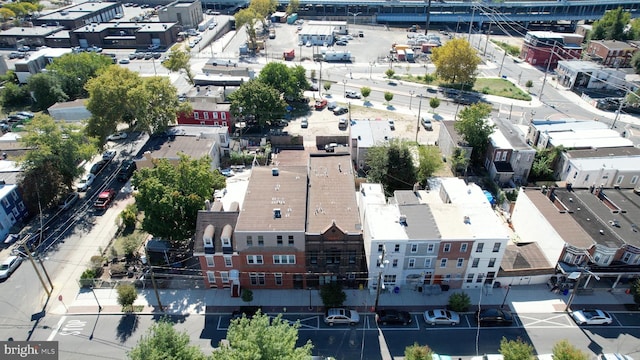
(344, 87)
(505, 296)
(354, 15)
(418, 122)
(98, 302)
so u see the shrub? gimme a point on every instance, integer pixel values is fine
(459, 301)
(126, 296)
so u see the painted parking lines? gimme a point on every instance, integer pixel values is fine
(542, 321)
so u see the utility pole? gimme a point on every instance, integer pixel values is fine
(487, 43)
(381, 267)
(544, 80)
(419, 111)
(33, 263)
(502, 63)
(473, 13)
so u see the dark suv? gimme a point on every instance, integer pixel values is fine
(127, 169)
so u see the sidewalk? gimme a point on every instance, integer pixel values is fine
(520, 299)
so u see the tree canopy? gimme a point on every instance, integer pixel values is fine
(544, 163)
(162, 341)
(563, 350)
(290, 82)
(119, 95)
(391, 165)
(429, 161)
(74, 70)
(258, 100)
(475, 129)
(177, 60)
(418, 352)
(261, 338)
(456, 62)
(516, 349)
(170, 196)
(612, 26)
(51, 163)
(46, 89)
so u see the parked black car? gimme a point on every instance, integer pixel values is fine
(488, 317)
(248, 311)
(97, 167)
(127, 169)
(391, 316)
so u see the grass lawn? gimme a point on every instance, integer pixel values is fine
(487, 86)
(500, 87)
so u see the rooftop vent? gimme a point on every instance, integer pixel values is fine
(467, 220)
(275, 172)
(277, 213)
(403, 220)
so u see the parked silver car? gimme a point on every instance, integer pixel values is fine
(341, 316)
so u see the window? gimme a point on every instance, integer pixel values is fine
(492, 262)
(284, 259)
(278, 278)
(254, 278)
(498, 154)
(412, 263)
(634, 179)
(290, 240)
(380, 247)
(626, 257)
(255, 259)
(5, 202)
(447, 247)
(211, 277)
(249, 240)
(427, 262)
(463, 247)
(206, 115)
(496, 247)
(475, 263)
(15, 212)
(396, 248)
(470, 278)
(395, 263)
(352, 256)
(224, 275)
(443, 262)
(480, 247)
(430, 248)
(619, 179)
(261, 278)
(14, 195)
(209, 259)
(480, 278)
(389, 279)
(586, 178)
(460, 262)
(504, 155)
(333, 257)
(279, 240)
(227, 261)
(260, 240)
(414, 248)
(313, 257)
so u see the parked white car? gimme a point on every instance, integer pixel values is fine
(9, 266)
(117, 136)
(591, 317)
(85, 182)
(441, 317)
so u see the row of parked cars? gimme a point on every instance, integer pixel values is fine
(331, 106)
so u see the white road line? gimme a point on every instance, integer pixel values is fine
(57, 328)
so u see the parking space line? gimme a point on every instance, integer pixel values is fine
(57, 328)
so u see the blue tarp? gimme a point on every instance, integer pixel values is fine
(490, 197)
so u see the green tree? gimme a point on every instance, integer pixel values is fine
(6, 14)
(129, 216)
(459, 161)
(248, 18)
(516, 349)
(390, 73)
(74, 70)
(392, 166)
(127, 295)
(14, 95)
(429, 162)
(365, 91)
(290, 82)
(177, 60)
(456, 62)
(544, 163)
(635, 291)
(633, 99)
(528, 85)
(326, 86)
(459, 301)
(332, 295)
(46, 90)
(388, 96)
(261, 338)
(563, 350)
(635, 62)
(418, 352)
(254, 98)
(262, 9)
(247, 295)
(155, 104)
(611, 26)
(162, 341)
(293, 7)
(51, 163)
(475, 129)
(434, 103)
(171, 195)
(109, 101)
